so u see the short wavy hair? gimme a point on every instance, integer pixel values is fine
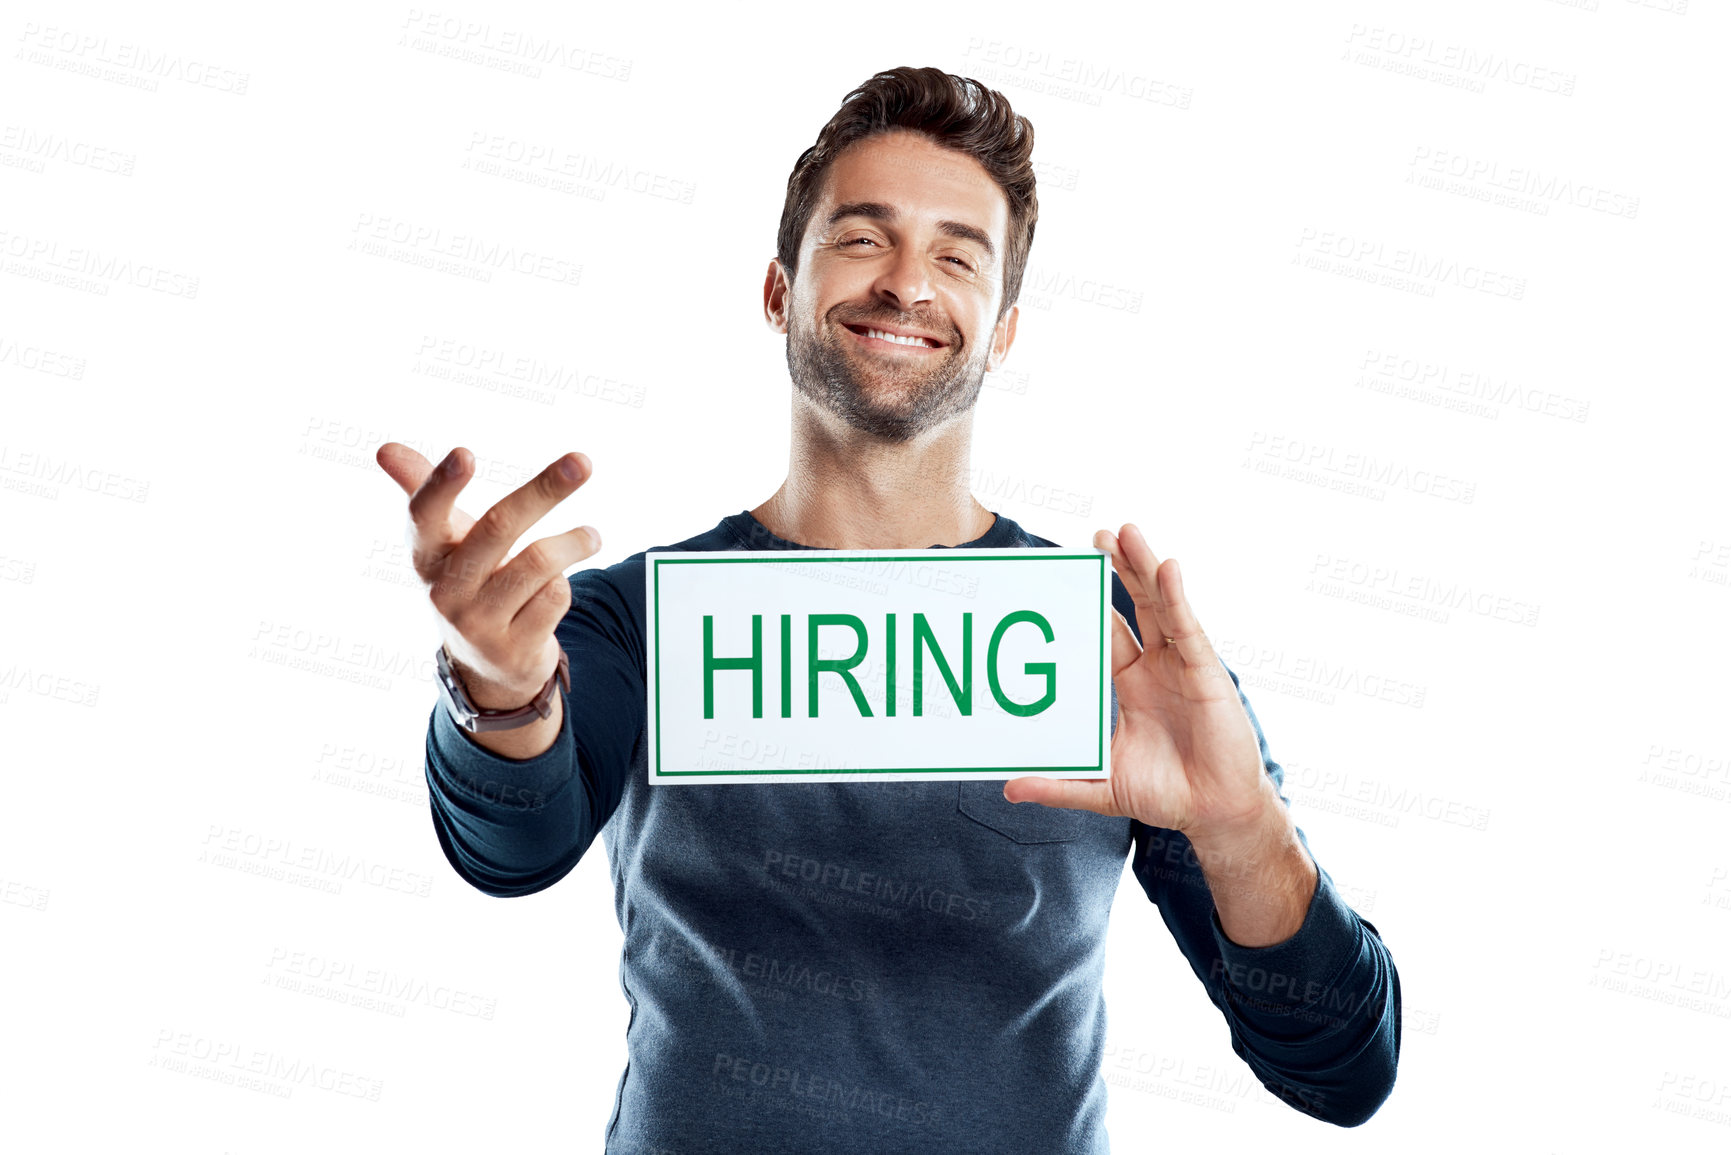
(953, 112)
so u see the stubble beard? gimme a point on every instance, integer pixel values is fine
(877, 395)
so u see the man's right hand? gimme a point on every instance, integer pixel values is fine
(497, 620)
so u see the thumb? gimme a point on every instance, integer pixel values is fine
(1074, 793)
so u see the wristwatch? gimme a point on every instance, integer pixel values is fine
(470, 717)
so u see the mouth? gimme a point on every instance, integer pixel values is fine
(877, 337)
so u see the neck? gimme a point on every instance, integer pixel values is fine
(848, 490)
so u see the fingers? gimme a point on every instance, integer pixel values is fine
(1136, 565)
(436, 489)
(516, 590)
(1163, 614)
(542, 613)
(1125, 648)
(471, 565)
(403, 465)
(436, 527)
(1182, 627)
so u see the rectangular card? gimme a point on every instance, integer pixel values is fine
(878, 665)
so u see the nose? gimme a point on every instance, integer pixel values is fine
(906, 279)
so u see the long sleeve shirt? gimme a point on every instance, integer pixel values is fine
(879, 966)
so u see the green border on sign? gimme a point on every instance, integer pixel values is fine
(657, 562)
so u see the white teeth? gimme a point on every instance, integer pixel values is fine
(899, 340)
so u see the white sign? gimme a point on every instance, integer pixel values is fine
(878, 665)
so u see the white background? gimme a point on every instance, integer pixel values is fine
(191, 510)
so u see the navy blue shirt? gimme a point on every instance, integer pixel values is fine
(879, 966)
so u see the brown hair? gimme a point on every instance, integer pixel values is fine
(953, 111)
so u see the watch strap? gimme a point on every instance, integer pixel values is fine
(472, 718)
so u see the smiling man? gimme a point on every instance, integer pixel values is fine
(889, 966)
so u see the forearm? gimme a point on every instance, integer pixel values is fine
(1260, 877)
(1316, 1016)
(515, 810)
(1308, 989)
(507, 826)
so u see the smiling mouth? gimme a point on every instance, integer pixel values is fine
(874, 338)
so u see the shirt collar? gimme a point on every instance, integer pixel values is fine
(755, 535)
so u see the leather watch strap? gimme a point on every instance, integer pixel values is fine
(472, 718)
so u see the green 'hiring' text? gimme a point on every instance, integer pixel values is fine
(923, 641)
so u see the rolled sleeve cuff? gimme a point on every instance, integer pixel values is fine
(478, 770)
(1299, 970)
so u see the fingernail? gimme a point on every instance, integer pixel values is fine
(568, 467)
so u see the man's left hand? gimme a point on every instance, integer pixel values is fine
(1184, 756)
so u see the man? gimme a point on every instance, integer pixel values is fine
(895, 966)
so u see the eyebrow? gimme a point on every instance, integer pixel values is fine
(878, 211)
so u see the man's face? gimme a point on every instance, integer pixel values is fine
(908, 238)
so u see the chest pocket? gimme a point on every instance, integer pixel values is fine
(984, 802)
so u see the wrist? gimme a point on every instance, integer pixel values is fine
(489, 695)
(1259, 874)
(1247, 854)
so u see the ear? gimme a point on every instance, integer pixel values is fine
(1003, 336)
(776, 287)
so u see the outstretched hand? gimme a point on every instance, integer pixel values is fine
(1185, 756)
